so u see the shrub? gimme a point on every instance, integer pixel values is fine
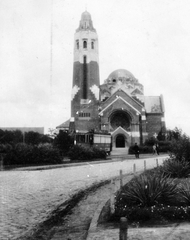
(146, 191)
(150, 141)
(78, 152)
(63, 141)
(46, 153)
(159, 213)
(180, 148)
(24, 154)
(5, 148)
(99, 153)
(185, 193)
(164, 146)
(174, 168)
(142, 149)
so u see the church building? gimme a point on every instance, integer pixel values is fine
(118, 106)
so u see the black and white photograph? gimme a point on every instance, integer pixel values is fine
(95, 120)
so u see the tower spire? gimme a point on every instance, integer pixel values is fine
(86, 23)
(85, 92)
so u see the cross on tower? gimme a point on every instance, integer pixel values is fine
(155, 135)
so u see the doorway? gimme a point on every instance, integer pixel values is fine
(120, 141)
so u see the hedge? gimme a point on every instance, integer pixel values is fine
(24, 154)
(78, 152)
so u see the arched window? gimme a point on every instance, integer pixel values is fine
(85, 44)
(92, 45)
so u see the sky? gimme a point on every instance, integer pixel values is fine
(149, 38)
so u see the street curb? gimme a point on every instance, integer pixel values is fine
(98, 215)
(66, 165)
(103, 213)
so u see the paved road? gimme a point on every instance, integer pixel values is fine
(28, 197)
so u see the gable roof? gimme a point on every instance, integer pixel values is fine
(116, 99)
(64, 125)
(120, 129)
(153, 104)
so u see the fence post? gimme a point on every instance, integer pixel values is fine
(134, 168)
(144, 165)
(157, 162)
(121, 179)
(112, 199)
(123, 228)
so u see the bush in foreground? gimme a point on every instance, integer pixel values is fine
(160, 214)
(175, 168)
(180, 148)
(151, 196)
(147, 190)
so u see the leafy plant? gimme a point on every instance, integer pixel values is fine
(25, 154)
(146, 191)
(185, 193)
(63, 141)
(78, 152)
(175, 168)
(159, 214)
(180, 148)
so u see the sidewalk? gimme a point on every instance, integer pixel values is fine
(174, 232)
(83, 224)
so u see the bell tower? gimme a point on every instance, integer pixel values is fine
(85, 89)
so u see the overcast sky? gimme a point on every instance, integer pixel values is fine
(149, 38)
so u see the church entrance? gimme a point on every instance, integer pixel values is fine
(120, 141)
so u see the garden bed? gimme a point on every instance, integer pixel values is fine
(153, 198)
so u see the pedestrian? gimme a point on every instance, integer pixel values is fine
(157, 149)
(136, 150)
(154, 149)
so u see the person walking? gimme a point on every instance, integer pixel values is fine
(136, 150)
(157, 149)
(154, 149)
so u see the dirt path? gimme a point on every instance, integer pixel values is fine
(76, 224)
(71, 220)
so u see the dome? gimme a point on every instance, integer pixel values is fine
(86, 16)
(121, 73)
(86, 23)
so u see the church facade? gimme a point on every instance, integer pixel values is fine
(118, 106)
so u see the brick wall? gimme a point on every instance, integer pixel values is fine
(154, 124)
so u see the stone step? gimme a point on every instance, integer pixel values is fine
(119, 151)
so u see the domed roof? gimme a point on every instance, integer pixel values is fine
(121, 73)
(85, 16)
(86, 23)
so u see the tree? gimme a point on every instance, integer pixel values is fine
(10, 137)
(63, 141)
(174, 134)
(36, 138)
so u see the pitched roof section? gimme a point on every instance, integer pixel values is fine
(116, 99)
(64, 125)
(120, 130)
(153, 104)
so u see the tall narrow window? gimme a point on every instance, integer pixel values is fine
(92, 45)
(77, 44)
(85, 44)
(84, 78)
